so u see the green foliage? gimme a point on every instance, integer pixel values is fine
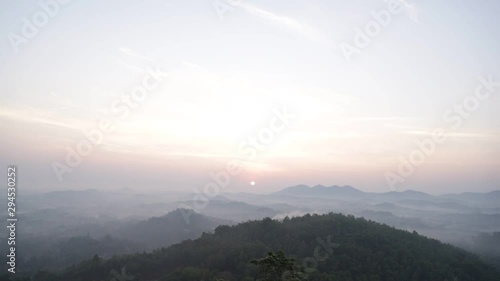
(279, 267)
(366, 251)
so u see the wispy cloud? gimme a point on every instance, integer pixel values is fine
(129, 52)
(454, 135)
(392, 118)
(37, 117)
(284, 21)
(128, 65)
(143, 60)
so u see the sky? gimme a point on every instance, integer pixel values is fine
(173, 95)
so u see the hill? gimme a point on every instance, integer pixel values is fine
(54, 253)
(171, 228)
(321, 191)
(331, 246)
(347, 192)
(236, 211)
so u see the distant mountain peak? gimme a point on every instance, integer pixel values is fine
(320, 191)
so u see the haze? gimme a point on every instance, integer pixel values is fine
(221, 79)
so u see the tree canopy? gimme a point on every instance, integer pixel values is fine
(330, 247)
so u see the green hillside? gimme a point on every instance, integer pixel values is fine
(331, 247)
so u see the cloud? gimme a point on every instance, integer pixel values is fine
(56, 102)
(201, 71)
(129, 66)
(429, 132)
(37, 117)
(129, 52)
(393, 118)
(132, 66)
(284, 21)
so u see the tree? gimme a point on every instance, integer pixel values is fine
(277, 267)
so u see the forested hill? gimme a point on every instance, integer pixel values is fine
(332, 247)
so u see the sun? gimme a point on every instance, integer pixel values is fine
(252, 183)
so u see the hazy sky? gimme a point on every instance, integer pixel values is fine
(217, 73)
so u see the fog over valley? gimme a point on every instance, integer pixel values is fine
(235, 140)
